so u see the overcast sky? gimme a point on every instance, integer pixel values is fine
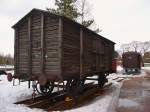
(122, 21)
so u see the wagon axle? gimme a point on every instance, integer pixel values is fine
(44, 89)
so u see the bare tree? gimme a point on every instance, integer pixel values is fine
(135, 45)
(84, 10)
(6, 59)
(125, 47)
(145, 47)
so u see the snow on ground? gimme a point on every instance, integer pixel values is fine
(105, 103)
(121, 73)
(10, 94)
(6, 66)
(146, 68)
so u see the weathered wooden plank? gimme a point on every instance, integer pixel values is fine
(50, 20)
(50, 36)
(42, 43)
(51, 27)
(81, 52)
(16, 51)
(36, 21)
(74, 36)
(52, 67)
(34, 31)
(29, 47)
(69, 47)
(22, 47)
(52, 55)
(22, 34)
(35, 16)
(36, 43)
(36, 27)
(51, 31)
(22, 31)
(72, 42)
(47, 25)
(52, 72)
(51, 45)
(55, 59)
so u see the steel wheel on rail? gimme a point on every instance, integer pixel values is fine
(102, 80)
(75, 86)
(46, 89)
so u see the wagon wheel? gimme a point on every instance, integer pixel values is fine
(46, 89)
(75, 86)
(126, 70)
(101, 80)
(71, 84)
(137, 70)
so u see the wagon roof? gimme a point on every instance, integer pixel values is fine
(47, 12)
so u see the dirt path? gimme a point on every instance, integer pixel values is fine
(135, 95)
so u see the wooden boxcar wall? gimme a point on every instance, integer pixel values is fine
(37, 46)
(70, 49)
(97, 53)
(52, 54)
(21, 51)
(89, 56)
(35, 41)
(108, 56)
(55, 46)
(93, 53)
(84, 52)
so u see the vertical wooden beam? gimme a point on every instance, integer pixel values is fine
(19, 81)
(16, 54)
(81, 51)
(60, 41)
(30, 47)
(15, 51)
(29, 84)
(13, 82)
(58, 86)
(63, 86)
(42, 43)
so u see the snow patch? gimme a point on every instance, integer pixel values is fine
(10, 94)
(127, 103)
(115, 96)
(146, 68)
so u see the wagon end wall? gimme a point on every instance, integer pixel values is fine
(37, 46)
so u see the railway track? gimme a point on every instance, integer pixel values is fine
(59, 101)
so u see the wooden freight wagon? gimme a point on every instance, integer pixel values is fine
(132, 62)
(146, 57)
(52, 48)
